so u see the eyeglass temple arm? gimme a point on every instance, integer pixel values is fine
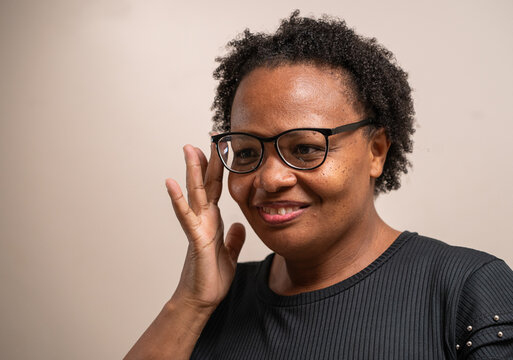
(337, 130)
(351, 127)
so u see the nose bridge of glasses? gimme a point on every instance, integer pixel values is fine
(273, 172)
(268, 144)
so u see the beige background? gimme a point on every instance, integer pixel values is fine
(98, 97)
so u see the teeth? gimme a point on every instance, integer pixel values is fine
(280, 211)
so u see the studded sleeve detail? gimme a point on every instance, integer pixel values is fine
(484, 324)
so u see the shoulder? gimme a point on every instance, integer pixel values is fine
(440, 257)
(429, 246)
(478, 289)
(458, 269)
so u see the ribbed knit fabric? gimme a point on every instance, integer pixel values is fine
(421, 299)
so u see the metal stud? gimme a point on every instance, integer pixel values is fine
(500, 334)
(469, 343)
(469, 328)
(457, 346)
(496, 318)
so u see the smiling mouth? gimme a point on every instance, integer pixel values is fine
(280, 215)
(280, 211)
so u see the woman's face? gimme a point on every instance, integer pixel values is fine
(298, 213)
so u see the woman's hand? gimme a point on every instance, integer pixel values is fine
(211, 259)
(209, 265)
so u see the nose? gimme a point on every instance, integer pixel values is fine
(273, 174)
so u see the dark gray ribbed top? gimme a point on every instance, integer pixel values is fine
(421, 299)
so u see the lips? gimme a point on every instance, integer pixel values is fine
(280, 212)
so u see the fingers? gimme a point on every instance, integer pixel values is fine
(194, 180)
(234, 240)
(183, 212)
(214, 177)
(203, 161)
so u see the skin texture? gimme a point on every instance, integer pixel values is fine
(338, 232)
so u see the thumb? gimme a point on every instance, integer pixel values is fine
(234, 240)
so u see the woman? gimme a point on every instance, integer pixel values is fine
(314, 122)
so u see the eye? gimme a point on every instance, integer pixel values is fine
(305, 149)
(308, 152)
(247, 155)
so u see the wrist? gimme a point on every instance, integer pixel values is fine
(193, 315)
(185, 301)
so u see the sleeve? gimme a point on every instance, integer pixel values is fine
(484, 323)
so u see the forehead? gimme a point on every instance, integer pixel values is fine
(270, 100)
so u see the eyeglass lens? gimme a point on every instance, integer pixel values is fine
(302, 149)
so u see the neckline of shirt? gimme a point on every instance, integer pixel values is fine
(268, 296)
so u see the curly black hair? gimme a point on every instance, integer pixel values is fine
(378, 83)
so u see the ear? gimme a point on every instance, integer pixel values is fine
(378, 149)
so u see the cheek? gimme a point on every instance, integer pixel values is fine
(340, 182)
(333, 179)
(239, 187)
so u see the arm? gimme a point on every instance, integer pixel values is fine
(485, 314)
(209, 265)
(173, 334)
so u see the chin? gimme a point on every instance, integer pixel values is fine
(288, 243)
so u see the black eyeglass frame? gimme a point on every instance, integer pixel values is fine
(324, 131)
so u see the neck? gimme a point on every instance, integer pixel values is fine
(353, 252)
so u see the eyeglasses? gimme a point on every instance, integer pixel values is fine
(301, 149)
